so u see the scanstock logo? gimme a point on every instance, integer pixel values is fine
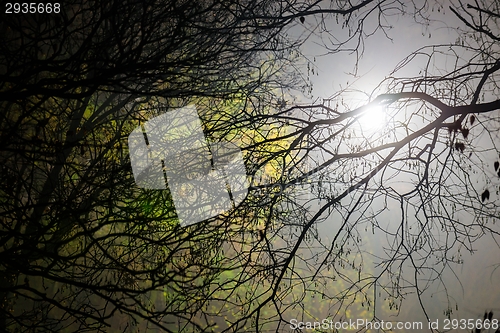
(171, 151)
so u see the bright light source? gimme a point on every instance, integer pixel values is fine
(373, 119)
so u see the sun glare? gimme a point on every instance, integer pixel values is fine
(373, 119)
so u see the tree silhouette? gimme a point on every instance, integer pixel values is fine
(85, 249)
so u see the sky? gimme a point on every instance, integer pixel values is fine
(472, 285)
